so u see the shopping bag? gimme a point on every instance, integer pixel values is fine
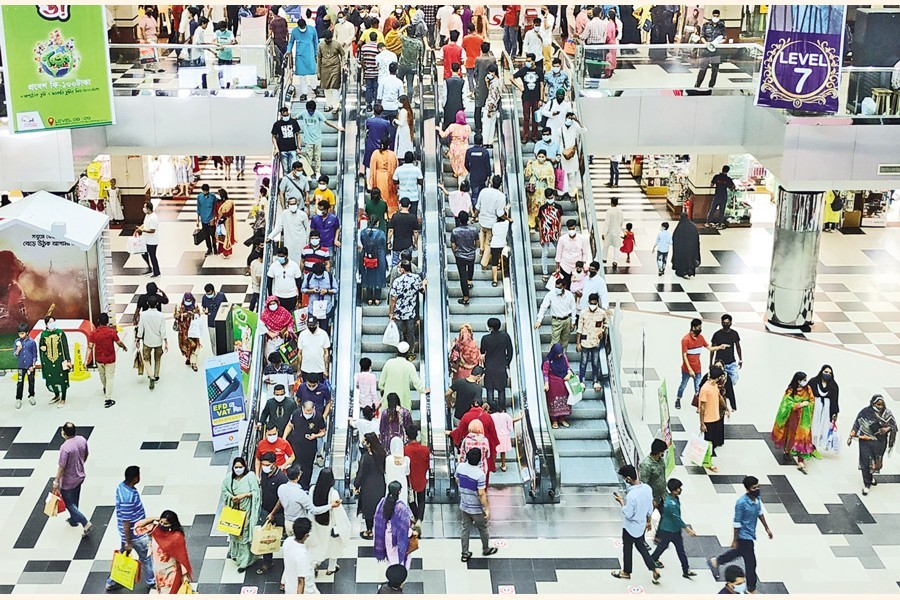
(147, 57)
(125, 570)
(832, 442)
(231, 521)
(391, 335)
(576, 389)
(185, 587)
(560, 180)
(551, 282)
(199, 238)
(54, 504)
(697, 450)
(136, 245)
(266, 539)
(320, 308)
(300, 317)
(195, 329)
(289, 351)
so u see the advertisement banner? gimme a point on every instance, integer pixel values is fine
(665, 427)
(226, 399)
(57, 67)
(801, 65)
(243, 324)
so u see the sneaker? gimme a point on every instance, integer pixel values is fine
(678, 403)
(865, 491)
(19, 404)
(31, 400)
(152, 383)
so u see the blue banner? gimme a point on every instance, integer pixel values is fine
(225, 394)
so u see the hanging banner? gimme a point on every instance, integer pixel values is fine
(665, 427)
(243, 324)
(57, 67)
(226, 399)
(801, 66)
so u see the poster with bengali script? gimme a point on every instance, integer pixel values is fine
(57, 67)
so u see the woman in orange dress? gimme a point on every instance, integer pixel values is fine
(225, 216)
(381, 175)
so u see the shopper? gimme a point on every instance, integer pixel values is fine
(712, 33)
(284, 280)
(409, 180)
(876, 429)
(285, 139)
(478, 164)
(206, 217)
(824, 426)
(499, 233)
(210, 304)
(331, 530)
(494, 93)
(723, 184)
(670, 526)
(735, 581)
(299, 573)
(26, 353)
(293, 184)
(419, 458)
(685, 247)
(661, 246)
(531, 78)
(102, 347)
(594, 283)
(637, 506)
(712, 409)
(152, 332)
(555, 368)
(614, 161)
(563, 312)
(475, 511)
(240, 490)
(497, 350)
(129, 511)
(73, 453)
(589, 339)
(571, 248)
(691, 368)
(171, 564)
(612, 232)
(731, 340)
(571, 136)
(490, 201)
(464, 244)
(403, 309)
(747, 511)
(549, 222)
(329, 62)
(792, 431)
(292, 224)
(368, 484)
(149, 231)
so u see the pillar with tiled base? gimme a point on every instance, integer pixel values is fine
(795, 255)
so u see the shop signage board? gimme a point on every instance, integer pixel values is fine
(57, 67)
(243, 324)
(801, 65)
(226, 399)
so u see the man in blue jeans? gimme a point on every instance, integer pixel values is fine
(722, 183)
(590, 334)
(206, 217)
(73, 453)
(26, 353)
(691, 346)
(130, 510)
(747, 510)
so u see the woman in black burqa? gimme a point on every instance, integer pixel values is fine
(685, 248)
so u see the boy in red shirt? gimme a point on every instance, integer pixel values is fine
(102, 346)
(419, 457)
(284, 454)
(691, 346)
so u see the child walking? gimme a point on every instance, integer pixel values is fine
(628, 242)
(503, 424)
(662, 245)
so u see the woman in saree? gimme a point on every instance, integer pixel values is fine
(793, 422)
(465, 354)
(539, 175)
(381, 175)
(556, 372)
(876, 429)
(171, 564)
(56, 362)
(459, 133)
(825, 390)
(279, 324)
(368, 485)
(185, 313)
(393, 521)
(240, 490)
(330, 530)
(225, 215)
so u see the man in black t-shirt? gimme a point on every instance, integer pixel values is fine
(286, 138)
(467, 391)
(303, 433)
(403, 232)
(532, 78)
(732, 340)
(722, 182)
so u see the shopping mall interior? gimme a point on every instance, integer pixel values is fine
(148, 207)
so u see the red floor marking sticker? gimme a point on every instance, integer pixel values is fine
(499, 544)
(635, 589)
(506, 589)
(249, 589)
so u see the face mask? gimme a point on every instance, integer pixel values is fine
(753, 493)
(314, 242)
(267, 469)
(556, 69)
(559, 291)
(239, 471)
(273, 307)
(541, 159)
(308, 416)
(572, 233)
(210, 296)
(740, 588)
(569, 122)
(271, 438)
(322, 186)
(279, 398)
(165, 527)
(302, 28)
(282, 260)
(827, 376)
(802, 383)
(341, 20)
(726, 327)
(696, 331)
(715, 19)
(285, 117)
(529, 64)
(321, 213)
(551, 200)
(52, 326)
(489, 76)
(146, 212)
(188, 303)
(546, 138)
(293, 208)
(593, 306)
(312, 328)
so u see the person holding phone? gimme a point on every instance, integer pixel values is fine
(637, 506)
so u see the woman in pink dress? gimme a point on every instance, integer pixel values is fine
(612, 37)
(459, 134)
(503, 423)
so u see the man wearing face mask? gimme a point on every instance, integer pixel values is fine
(345, 35)
(277, 411)
(285, 139)
(284, 278)
(735, 581)
(637, 506)
(315, 389)
(569, 136)
(712, 33)
(530, 78)
(478, 164)
(311, 120)
(322, 193)
(320, 287)
(548, 145)
(483, 63)
(612, 232)
(271, 479)
(329, 62)
(275, 445)
(314, 346)
(327, 224)
(731, 340)
(555, 111)
(594, 283)
(303, 433)
(533, 44)
(304, 41)
(590, 335)
(747, 511)
(563, 312)
(295, 500)
(570, 249)
(314, 253)
(294, 184)
(210, 303)
(691, 346)
(26, 354)
(292, 224)
(556, 79)
(492, 104)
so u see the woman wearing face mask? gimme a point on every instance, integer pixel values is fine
(279, 324)
(556, 372)
(824, 425)
(459, 133)
(726, 388)
(373, 246)
(225, 216)
(368, 484)
(185, 313)
(792, 431)
(240, 490)
(171, 564)
(539, 175)
(394, 421)
(876, 429)
(548, 221)
(381, 174)
(56, 362)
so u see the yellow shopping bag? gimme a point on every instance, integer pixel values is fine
(185, 587)
(125, 570)
(231, 521)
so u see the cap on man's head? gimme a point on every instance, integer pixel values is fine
(403, 347)
(311, 320)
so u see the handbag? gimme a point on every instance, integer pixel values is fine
(370, 261)
(391, 335)
(320, 309)
(198, 236)
(289, 351)
(266, 539)
(54, 504)
(697, 451)
(125, 570)
(569, 153)
(647, 26)
(695, 401)
(147, 57)
(186, 587)
(413, 543)
(575, 388)
(231, 521)
(136, 244)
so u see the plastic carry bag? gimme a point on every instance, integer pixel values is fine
(195, 329)
(697, 451)
(136, 245)
(391, 335)
(576, 389)
(125, 570)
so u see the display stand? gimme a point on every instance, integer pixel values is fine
(874, 211)
(657, 171)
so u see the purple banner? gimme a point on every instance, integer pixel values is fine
(801, 69)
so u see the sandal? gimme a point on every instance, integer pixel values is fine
(564, 423)
(503, 468)
(656, 577)
(367, 535)
(489, 551)
(336, 569)
(465, 556)
(713, 469)
(554, 425)
(620, 575)
(378, 303)
(495, 284)
(370, 302)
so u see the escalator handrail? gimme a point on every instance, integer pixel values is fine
(529, 338)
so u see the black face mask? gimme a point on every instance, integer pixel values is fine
(753, 493)
(166, 527)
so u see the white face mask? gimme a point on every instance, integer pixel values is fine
(541, 159)
(546, 138)
(314, 243)
(715, 19)
(551, 200)
(308, 416)
(559, 291)
(279, 398)
(321, 213)
(273, 307)
(51, 326)
(555, 69)
(285, 117)
(569, 122)
(572, 233)
(267, 469)
(293, 208)
(593, 306)
(322, 186)
(271, 438)
(239, 471)
(802, 383)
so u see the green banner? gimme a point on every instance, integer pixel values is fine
(243, 324)
(57, 67)
(665, 427)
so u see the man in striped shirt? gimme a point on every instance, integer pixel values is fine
(130, 510)
(595, 30)
(473, 503)
(367, 54)
(314, 253)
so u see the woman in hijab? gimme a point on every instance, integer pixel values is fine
(465, 354)
(792, 431)
(368, 484)
(824, 425)
(394, 421)
(381, 174)
(330, 530)
(459, 133)
(396, 466)
(279, 324)
(185, 313)
(225, 214)
(392, 527)
(171, 564)
(876, 429)
(240, 490)
(556, 372)
(476, 439)
(685, 248)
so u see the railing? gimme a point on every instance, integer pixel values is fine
(542, 453)
(190, 70)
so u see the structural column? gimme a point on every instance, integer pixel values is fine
(795, 255)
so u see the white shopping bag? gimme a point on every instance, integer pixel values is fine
(320, 309)
(391, 335)
(696, 450)
(195, 329)
(136, 245)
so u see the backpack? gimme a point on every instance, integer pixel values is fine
(837, 205)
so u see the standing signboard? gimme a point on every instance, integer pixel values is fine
(226, 399)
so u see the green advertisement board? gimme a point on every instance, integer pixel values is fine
(243, 324)
(57, 67)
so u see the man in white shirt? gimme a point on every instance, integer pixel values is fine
(442, 20)
(595, 30)
(152, 331)
(150, 234)
(563, 311)
(299, 575)
(594, 283)
(313, 344)
(383, 61)
(293, 224)
(490, 201)
(345, 34)
(612, 231)
(284, 280)
(390, 88)
(533, 44)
